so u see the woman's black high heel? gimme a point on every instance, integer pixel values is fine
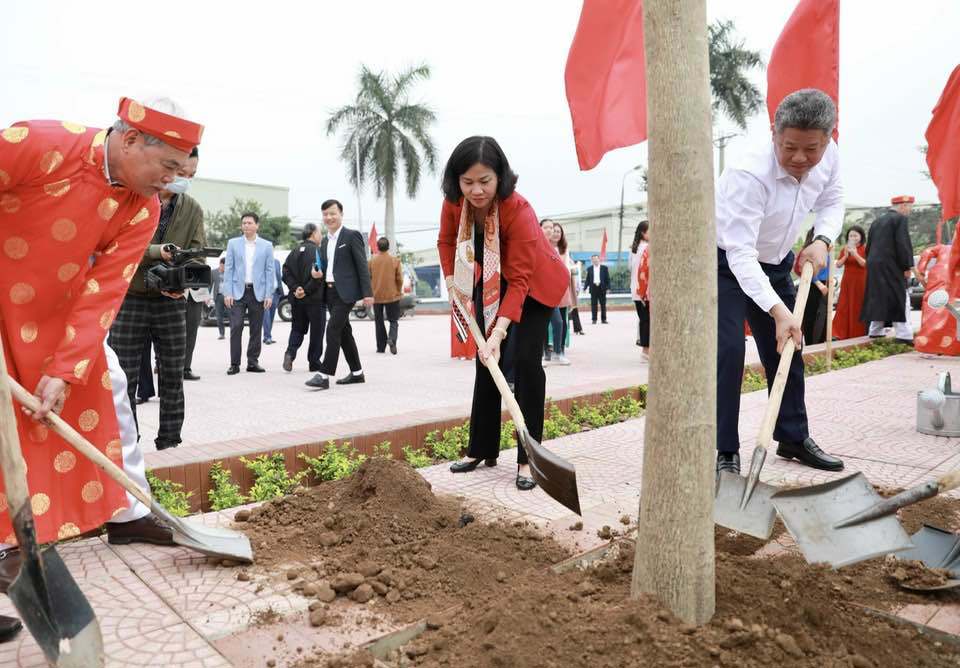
(524, 483)
(470, 464)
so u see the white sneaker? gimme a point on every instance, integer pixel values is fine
(562, 360)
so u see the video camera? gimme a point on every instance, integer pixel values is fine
(181, 274)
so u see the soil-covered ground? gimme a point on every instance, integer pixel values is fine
(381, 538)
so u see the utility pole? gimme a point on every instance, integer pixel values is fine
(675, 545)
(623, 185)
(721, 143)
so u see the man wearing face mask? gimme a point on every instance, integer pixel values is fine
(159, 316)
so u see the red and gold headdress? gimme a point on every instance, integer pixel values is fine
(177, 132)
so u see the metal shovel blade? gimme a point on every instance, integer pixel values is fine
(212, 541)
(753, 516)
(935, 548)
(555, 475)
(56, 612)
(811, 514)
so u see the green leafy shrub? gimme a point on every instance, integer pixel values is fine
(416, 458)
(383, 450)
(508, 435)
(225, 492)
(449, 445)
(271, 480)
(557, 424)
(335, 462)
(170, 495)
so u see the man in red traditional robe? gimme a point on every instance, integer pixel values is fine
(78, 206)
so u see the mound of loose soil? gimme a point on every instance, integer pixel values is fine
(383, 538)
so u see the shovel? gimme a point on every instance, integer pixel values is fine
(743, 504)
(47, 597)
(206, 540)
(935, 548)
(555, 475)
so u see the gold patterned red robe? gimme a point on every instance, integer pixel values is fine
(57, 212)
(938, 328)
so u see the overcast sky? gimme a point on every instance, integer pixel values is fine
(263, 78)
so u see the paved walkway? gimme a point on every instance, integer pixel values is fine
(168, 607)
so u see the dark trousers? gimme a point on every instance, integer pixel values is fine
(146, 388)
(222, 316)
(733, 306)
(164, 321)
(558, 330)
(575, 318)
(392, 310)
(194, 313)
(339, 335)
(268, 317)
(643, 327)
(307, 317)
(598, 295)
(248, 305)
(530, 385)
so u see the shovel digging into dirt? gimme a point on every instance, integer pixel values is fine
(211, 541)
(44, 593)
(743, 504)
(555, 475)
(938, 550)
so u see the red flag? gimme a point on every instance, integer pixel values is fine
(603, 247)
(807, 54)
(943, 147)
(606, 79)
(372, 240)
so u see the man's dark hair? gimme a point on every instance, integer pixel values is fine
(383, 244)
(331, 202)
(473, 150)
(595, 255)
(308, 230)
(806, 109)
(195, 153)
(250, 214)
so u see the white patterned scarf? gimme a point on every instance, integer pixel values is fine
(466, 273)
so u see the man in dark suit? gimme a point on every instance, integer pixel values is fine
(346, 280)
(301, 273)
(598, 281)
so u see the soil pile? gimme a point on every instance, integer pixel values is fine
(382, 536)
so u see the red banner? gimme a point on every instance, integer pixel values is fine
(943, 146)
(372, 240)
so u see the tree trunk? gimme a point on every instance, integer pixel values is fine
(675, 555)
(388, 223)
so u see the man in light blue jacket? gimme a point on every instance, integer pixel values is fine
(248, 286)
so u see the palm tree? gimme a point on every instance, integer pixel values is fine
(383, 129)
(733, 93)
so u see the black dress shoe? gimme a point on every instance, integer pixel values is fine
(148, 529)
(9, 628)
(393, 347)
(255, 368)
(287, 362)
(190, 375)
(809, 453)
(525, 483)
(350, 379)
(318, 382)
(728, 461)
(466, 465)
(233, 370)
(141, 400)
(906, 342)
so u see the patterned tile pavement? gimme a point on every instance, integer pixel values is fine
(169, 607)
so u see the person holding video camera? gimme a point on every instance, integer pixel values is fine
(160, 315)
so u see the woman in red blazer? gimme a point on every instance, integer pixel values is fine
(497, 261)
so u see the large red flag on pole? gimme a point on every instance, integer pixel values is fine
(807, 54)
(943, 147)
(372, 240)
(603, 247)
(606, 79)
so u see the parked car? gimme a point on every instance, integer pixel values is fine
(209, 313)
(916, 293)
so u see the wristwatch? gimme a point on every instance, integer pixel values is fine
(825, 239)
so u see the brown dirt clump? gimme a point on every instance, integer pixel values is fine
(916, 575)
(741, 544)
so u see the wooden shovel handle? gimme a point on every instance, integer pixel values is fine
(11, 457)
(493, 367)
(765, 438)
(82, 445)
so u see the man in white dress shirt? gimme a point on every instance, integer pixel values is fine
(760, 205)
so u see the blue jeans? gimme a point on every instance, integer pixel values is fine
(268, 316)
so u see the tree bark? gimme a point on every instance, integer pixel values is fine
(388, 222)
(675, 554)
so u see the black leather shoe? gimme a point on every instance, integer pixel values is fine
(190, 375)
(906, 342)
(350, 379)
(148, 529)
(393, 347)
(165, 446)
(255, 368)
(728, 461)
(287, 362)
(9, 628)
(318, 383)
(524, 483)
(469, 464)
(141, 400)
(809, 453)
(233, 370)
